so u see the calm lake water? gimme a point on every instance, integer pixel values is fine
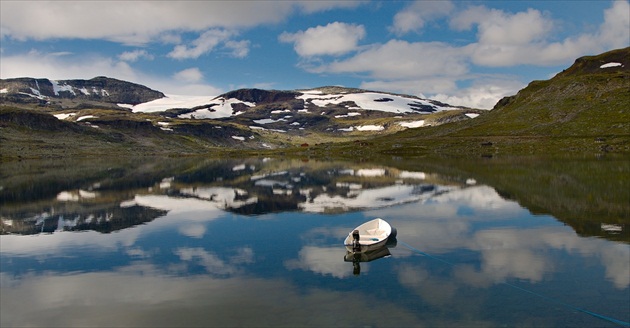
(259, 242)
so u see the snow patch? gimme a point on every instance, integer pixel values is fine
(412, 124)
(412, 175)
(611, 227)
(370, 101)
(267, 121)
(168, 102)
(66, 196)
(85, 117)
(5, 90)
(238, 138)
(608, 65)
(370, 173)
(64, 116)
(33, 96)
(36, 92)
(239, 167)
(370, 128)
(348, 115)
(472, 115)
(313, 92)
(61, 88)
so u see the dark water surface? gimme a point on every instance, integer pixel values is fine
(258, 242)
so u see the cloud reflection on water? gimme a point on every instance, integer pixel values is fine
(437, 227)
(142, 296)
(170, 271)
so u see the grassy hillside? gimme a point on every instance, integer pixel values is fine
(32, 134)
(584, 109)
(582, 101)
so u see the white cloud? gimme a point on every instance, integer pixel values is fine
(615, 31)
(64, 66)
(189, 75)
(414, 17)
(135, 55)
(170, 38)
(398, 59)
(524, 38)
(499, 28)
(133, 22)
(238, 49)
(333, 39)
(139, 22)
(483, 94)
(310, 6)
(169, 87)
(202, 45)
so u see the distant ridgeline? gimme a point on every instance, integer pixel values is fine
(99, 89)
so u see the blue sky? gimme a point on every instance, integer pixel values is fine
(468, 53)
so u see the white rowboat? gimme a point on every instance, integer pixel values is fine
(369, 236)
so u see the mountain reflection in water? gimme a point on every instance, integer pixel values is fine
(251, 187)
(256, 242)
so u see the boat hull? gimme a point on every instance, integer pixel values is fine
(372, 235)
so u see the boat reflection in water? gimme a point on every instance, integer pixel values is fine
(357, 257)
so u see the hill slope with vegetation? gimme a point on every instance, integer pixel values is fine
(585, 108)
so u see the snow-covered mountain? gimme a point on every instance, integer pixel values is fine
(323, 110)
(245, 118)
(302, 101)
(331, 109)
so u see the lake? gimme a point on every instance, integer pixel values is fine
(259, 242)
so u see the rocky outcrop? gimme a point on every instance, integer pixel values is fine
(34, 120)
(259, 96)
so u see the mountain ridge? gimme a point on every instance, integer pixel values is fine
(585, 107)
(47, 92)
